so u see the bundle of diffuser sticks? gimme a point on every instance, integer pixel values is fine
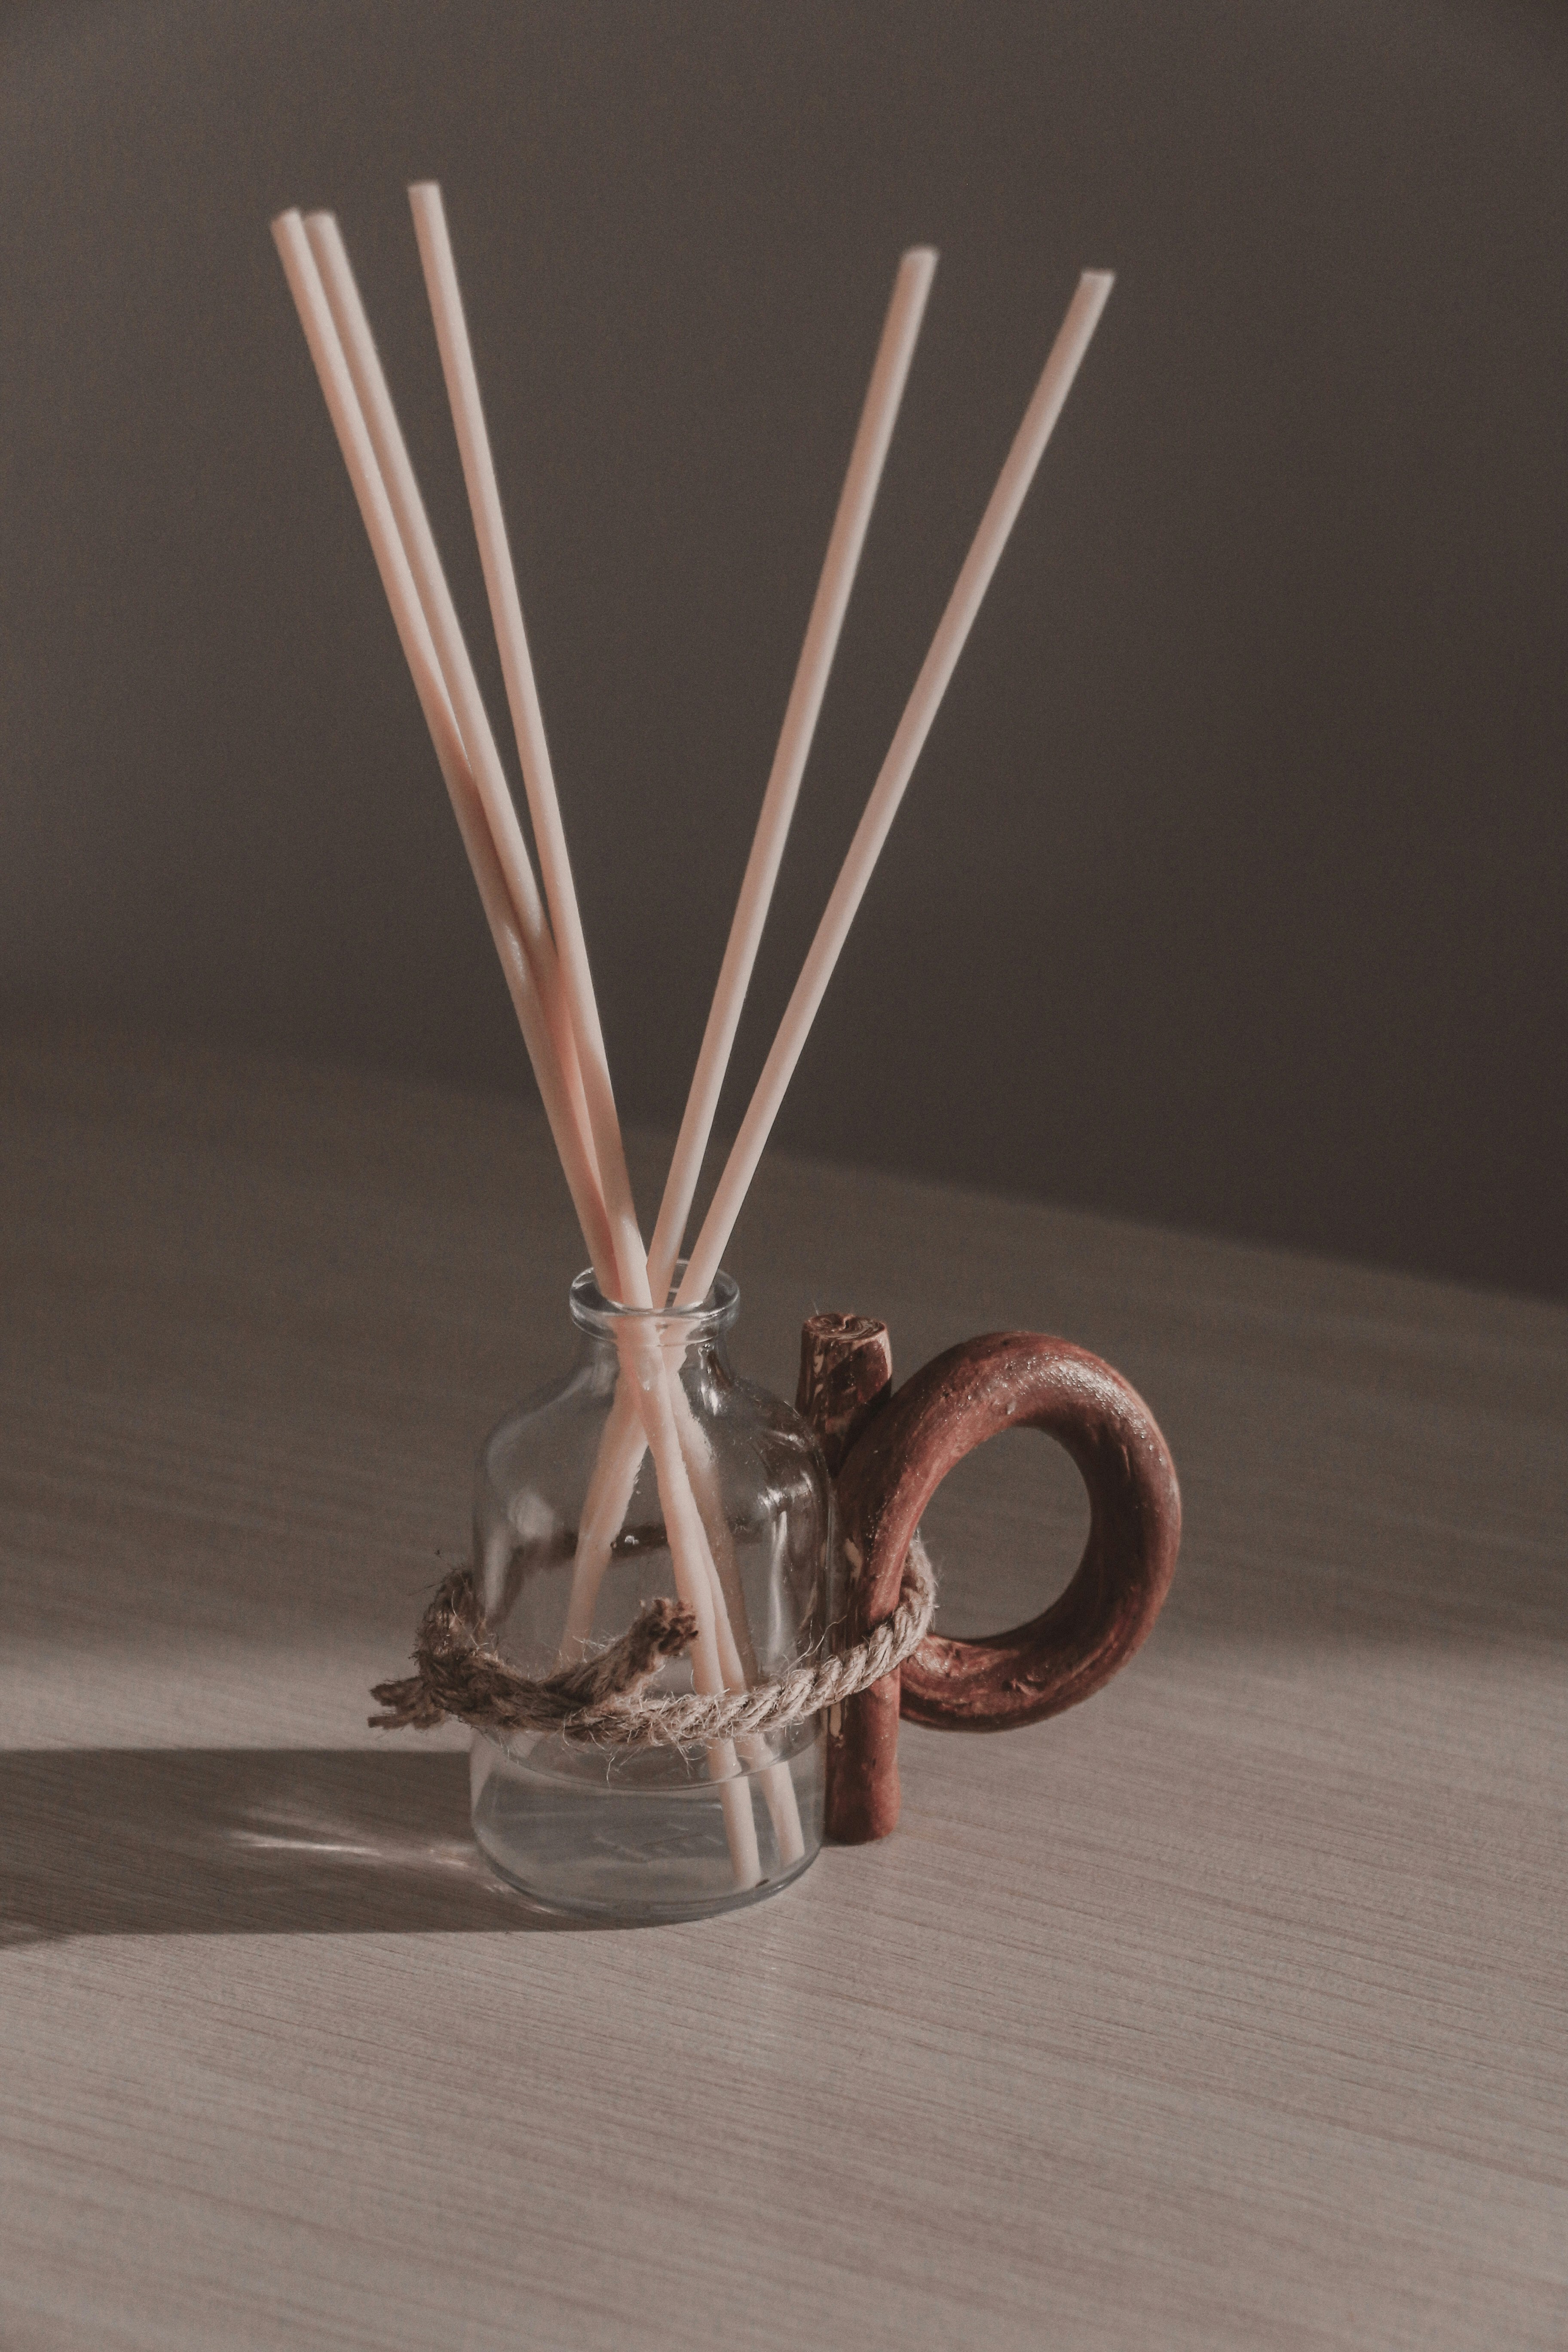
(540, 944)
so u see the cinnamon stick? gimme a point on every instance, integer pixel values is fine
(846, 1379)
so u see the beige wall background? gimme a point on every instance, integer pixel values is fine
(1231, 890)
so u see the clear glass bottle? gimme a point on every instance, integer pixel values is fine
(577, 1525)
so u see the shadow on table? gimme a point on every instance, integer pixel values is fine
(249, 1841)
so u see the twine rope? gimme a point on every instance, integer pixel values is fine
(461, 1674)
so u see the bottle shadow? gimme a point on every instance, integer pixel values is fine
(244, 1842)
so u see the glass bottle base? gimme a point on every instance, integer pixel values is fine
(647, 1855)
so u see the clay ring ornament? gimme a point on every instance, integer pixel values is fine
(1005, 1379)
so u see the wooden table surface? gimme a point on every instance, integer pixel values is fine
(1227, 2011)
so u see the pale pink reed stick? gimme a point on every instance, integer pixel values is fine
(1002, 512)
(419, 651)
(695, 1577)
(660, 1402)
(616, 1470)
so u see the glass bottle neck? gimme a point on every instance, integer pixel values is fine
(616, 1336)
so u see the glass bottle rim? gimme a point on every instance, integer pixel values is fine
(593, 1312)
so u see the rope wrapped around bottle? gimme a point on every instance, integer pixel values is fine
(462, 1674)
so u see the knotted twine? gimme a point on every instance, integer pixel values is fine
(462, 1674)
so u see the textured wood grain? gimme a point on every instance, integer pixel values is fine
(1224, 2012)
(846, 1375)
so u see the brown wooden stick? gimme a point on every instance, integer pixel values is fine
(846, 1379)
(845, 1373)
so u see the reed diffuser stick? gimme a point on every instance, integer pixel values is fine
(614, 1473)
(689, 1549)
(696, 1576)
(419, 651)
(1028, 447)
(457, 669)
(534, 750)
(867, 458)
